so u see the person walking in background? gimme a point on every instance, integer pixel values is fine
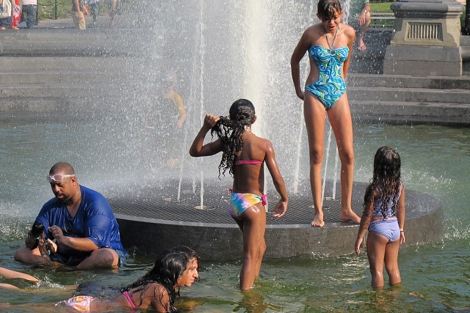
(384, 217)
(15, 14)
(360, 13)
(29, 12)
(329, 45)
(78, 14)
(94, 6)
(5, 14)
(244, 155)
(81, 222)
(114, 5)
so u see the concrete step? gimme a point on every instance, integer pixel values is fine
(64, 40)
(39, 65)
(410, 112)
(402, 81)
(415, 95)
(57, 77)
(73, 90)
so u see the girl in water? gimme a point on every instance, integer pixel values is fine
(155, 290)
(329, 45)
(384, 217)
(244, 155)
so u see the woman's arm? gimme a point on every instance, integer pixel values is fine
(351, 34)
(297, 55)
(197, 148)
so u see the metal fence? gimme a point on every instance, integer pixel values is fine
(53, 9)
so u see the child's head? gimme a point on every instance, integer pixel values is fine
(387, 164)
(329, 9)
(243, 112)
(190, 253)
(169, 266)
(230, 131)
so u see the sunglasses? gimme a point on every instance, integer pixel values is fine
(57, 177)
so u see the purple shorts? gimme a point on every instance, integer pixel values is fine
(388, 228)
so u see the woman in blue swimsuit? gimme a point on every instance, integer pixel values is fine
(329, 46)
(384, 217)
(244, 155)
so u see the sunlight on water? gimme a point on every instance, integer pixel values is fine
(307, 284)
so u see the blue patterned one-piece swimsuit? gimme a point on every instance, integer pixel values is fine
(330, 85)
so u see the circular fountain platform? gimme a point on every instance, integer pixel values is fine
(152, 219)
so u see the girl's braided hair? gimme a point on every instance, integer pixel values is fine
(230, 130)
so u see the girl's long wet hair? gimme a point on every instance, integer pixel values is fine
(387, 176)
(327, 9)
(230, 130)
(169, 266)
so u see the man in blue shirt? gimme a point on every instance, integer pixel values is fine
(80, 228)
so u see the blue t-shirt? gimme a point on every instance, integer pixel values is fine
(94, 220)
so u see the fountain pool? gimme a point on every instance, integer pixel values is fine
(435, 162)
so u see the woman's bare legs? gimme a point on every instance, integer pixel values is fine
(341, 123)
(254, 245)
(314, 115)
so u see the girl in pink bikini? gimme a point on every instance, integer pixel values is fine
(244, 155)
(155, 290)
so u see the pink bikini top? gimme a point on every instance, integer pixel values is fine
(125, 293)
(248, 162)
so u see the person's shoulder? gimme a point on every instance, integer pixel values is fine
(91, 193)
(314, 30)
(264, 143)
(50, 202)
(158, 292)
(348, 30)
(95, 198)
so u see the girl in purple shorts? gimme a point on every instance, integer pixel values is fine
(384, 217)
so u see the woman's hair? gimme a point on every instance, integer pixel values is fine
(230, 130)
(387, 175)
(169, 266)
(327, 9)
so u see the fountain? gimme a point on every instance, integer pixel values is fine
(215, 52)
(88, 98)
(188, 204)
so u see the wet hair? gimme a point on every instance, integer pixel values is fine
(190, 253)
(64, 167)
(327, 9)
(387, 175)
(169, 266)
(230, 130)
